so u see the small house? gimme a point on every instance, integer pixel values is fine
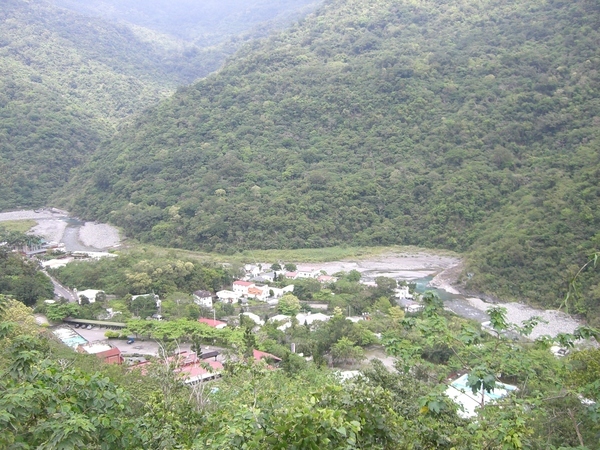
(203, 299)
(241, 287)
(226, 296)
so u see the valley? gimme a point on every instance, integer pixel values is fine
(300, 224)
(423, 267)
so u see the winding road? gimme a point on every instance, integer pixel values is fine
(61, 291)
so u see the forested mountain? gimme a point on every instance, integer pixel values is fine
(65, 82)
(464, 125)
(67, 79)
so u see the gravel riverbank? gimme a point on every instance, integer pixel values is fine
(517, 313)
(99, 235)
(51, 222)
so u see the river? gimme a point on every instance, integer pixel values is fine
(70, 237)
(58, 226)
(457, 303)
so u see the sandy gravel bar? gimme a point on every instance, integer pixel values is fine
(558, 322)
(51, 225)
(99, 235)
(50, 229)
(403, 266)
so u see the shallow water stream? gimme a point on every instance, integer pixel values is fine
(456, 303)
(71, 237)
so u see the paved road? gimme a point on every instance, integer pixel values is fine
(62, 291)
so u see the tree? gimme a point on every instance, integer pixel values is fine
(58, 311)
(345, 351)
(289, 305)
(275, 266)
(397, 314)
(385, 287)
(144, 306)
(290, 267)
(382, 305)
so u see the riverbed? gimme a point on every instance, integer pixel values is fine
(56, 226)
(437, 273)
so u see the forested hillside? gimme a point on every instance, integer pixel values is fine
(67, 79)
(65, 82)
(462, 125)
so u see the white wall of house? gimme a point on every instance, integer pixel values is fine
(228, 296)
(205, 302)
(308, 273)
(241, 287)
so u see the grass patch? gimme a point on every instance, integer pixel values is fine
(21, 226)
(297, 256)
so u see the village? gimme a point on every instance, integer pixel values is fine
(256, 292)
(280, 315)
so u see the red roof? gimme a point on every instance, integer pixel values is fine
(197, 371)
(112, 356)
(211, 322)
(242, 283)
(291, 274)
(258, 355)
(325, 278)
(255, 291)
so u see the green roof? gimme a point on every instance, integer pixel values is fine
(95, 322)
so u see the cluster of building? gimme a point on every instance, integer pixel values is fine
(104, 351)
(192, 368)
(255, 285)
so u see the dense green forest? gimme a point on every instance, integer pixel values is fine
(66, 81)
(464, 125)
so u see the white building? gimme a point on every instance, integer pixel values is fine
(302, 319)
(308, 273)
(310, 318)
(203, 298)
(280, 292)
(90, 294)
(241, 287)
(257, 320)
(253, 269)
(402, 292)
(228, 296)
(261, 293)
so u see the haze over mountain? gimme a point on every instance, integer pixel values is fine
(67, 79)
(468, 126)
(205, 23)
